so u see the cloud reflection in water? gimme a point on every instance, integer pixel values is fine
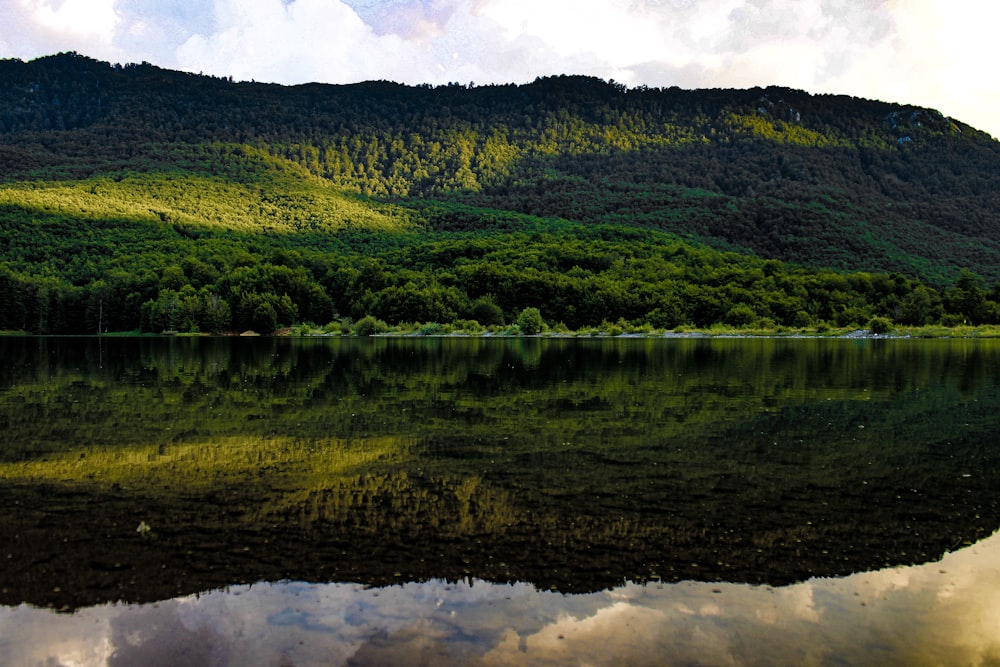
(946, 612)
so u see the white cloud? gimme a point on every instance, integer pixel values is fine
(91, 19)
(32, 28)
(612, 30)
(302, 41)
(940, 56)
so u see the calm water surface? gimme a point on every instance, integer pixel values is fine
(475, 501)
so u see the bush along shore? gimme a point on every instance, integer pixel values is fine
(371, 326)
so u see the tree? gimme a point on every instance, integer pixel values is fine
(97, 305)
(217, 315)
(915, 308)
(968, 298)
(173, 278)
(486, 311)
(257, 312)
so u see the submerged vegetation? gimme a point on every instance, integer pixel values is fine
(138, 199)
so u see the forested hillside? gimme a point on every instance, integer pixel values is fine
(133, 197)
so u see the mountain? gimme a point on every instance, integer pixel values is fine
(129, 191)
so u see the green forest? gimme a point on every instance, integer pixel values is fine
(138, 199)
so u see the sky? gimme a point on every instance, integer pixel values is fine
(933, 53)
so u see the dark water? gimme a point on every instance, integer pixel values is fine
(481, 501)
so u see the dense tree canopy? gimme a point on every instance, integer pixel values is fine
(138, 198)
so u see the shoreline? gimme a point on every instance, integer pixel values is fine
(919, 333)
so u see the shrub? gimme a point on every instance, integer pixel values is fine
(530, 322)
(880, 325)
(740, 315)
(644, 328)
(469, 326)
(610, 329)
(802, 319)
(431, 329)
(486, 311)
(369, 325)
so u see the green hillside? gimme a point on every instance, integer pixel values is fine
(136, 198)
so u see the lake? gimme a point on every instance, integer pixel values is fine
(494, 501)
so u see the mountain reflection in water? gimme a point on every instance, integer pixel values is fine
(947, 612)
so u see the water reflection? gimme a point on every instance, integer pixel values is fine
(947, 612)
(570, 465)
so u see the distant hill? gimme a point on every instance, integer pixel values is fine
(354, 191)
